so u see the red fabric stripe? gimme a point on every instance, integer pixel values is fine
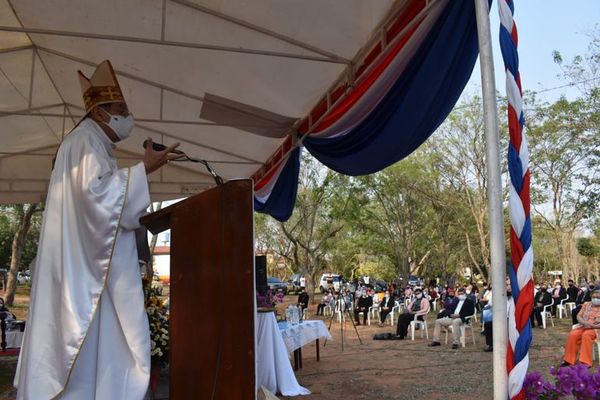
(515, 35)
(524, 195)
(524, 306)
(518, 81)
(265, 179)
(368, 60)
(520, 395)
(514, 128)
(516, 248)
(510, 358)
(404, 19)
(336, 113)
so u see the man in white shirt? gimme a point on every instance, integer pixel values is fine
(462, 308)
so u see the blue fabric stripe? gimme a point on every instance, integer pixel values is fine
(514, 285)
(282, 200)
(525, 238)
(523, 342)
(417, 103)
(509, 51)
(515, 168)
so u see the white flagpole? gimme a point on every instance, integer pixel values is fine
(494, 192)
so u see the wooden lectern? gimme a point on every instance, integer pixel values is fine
(212, 293)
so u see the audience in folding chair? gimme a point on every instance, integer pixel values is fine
(419, 307)
(385, 307)
(463, 307)
(584, 295)
(542, 298)
(581, 339)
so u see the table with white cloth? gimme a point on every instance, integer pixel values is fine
(273, 368)
(296, 336)
(14, 339)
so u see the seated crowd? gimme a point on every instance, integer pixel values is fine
(458, 305)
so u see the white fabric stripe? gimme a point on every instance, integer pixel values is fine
(524, 153)
(506, 17)
(525, 268)
(513, 334)
(516, 211)
(263, 193)
(363, 107)
(516, 377)
(513, 93)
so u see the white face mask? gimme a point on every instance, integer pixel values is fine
(467, 291)
(122, 126)
(462, 297)
(419, 296)
(595, 302)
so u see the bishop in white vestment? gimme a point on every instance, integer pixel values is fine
(87, 336)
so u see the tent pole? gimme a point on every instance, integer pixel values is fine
(494, 192)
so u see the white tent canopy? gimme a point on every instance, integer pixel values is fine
(229, 79)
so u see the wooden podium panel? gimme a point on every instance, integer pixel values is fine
(212, 293)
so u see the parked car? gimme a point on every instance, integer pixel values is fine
(23, 278)
(276, 285)
(330, 280)
(293, 284)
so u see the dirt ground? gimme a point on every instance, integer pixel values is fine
(410, 369)
(386, 370)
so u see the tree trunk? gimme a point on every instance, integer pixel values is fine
(24, 223)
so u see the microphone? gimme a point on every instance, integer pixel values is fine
(161, 147)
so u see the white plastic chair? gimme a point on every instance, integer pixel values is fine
(463, 330)
(569, 307)
(547, 312)
(396, 310)
(422, 324)
(561, 307)
(327, 310)
(372, 313)
(340, 310)
(305, 314)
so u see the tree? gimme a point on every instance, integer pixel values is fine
(322, 195)
(460, 148)
(23, 219)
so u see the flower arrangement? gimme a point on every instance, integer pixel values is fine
(158, 318)
(577, 381)
(268, 300)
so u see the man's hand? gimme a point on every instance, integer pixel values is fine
(153, 160)
(454, 316)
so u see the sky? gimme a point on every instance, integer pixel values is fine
(543, 26)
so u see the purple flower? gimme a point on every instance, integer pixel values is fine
(577, 381)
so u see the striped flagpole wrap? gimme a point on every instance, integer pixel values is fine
(521, 265)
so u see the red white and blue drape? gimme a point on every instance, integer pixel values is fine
(400, 95)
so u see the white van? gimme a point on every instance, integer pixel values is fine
(330, 280)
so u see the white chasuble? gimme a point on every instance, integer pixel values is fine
(87, 336)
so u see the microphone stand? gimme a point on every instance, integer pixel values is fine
(216, 177)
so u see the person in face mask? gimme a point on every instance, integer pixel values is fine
(385, 307)
(88, 235)
(463, 308)
(542, 298)
(581, 339)
(584, 295)
(558, 294)
(418, 307)
(362, 306)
